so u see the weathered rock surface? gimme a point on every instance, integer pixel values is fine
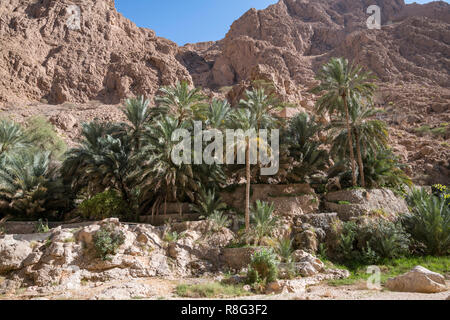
(67, 256)
(361, 202)
(418, 279)
(107, 58)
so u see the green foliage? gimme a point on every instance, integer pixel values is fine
(263, 267)
(369, 243)
(284, 249)
(41, 227)
(303, 145)
(107, 241)
(219, 219)
(172, 236)
(429, 222)
(12, 138)
(263, 220)
(181, 102)
(104, 205)
(384, 170)
(210, 290)
(394, 267)
(441, 191)
(31, 187)
(44, 137)
(208, 203)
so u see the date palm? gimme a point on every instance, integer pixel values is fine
(138, 113)
(368, 134)
(12, 138)
(181, 102)
(340, 82)
(30, 186)
(303, 145)
(159, 176)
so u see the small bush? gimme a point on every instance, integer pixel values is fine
(41, 227)
(263, 220)
(220, 220)
(263, 267)
(369, 243)
(43, 135)
(429, 222)
(210, 290)
(208, 203)
(284, 250)
(172, 236)
(108, 204)
(107, 240)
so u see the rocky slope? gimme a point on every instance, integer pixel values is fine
(87, 71)
(108, 58)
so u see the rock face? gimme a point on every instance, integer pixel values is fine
(107, 58)
(359, 202)
(418, 279)
(66, 256)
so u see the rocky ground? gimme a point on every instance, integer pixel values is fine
(165, 288)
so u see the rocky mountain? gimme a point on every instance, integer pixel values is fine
(107, 58)
(85, 72)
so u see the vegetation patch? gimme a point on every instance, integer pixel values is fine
(393, 268)
(211, 290)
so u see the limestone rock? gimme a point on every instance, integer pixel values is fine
(12, 253)
(418, 279)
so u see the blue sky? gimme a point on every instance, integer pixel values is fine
(190, 21)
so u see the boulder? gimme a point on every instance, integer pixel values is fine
(13, 253)
(418, 279)
(237, 258)
(360, 202)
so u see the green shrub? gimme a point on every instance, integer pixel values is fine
(372, 242)
(172, 236)
(104, 205)
(284, 250)
(220, 220)
(263, 267)
(263, 220)
(107, 241)
(429, 222)
(43, 135)
(208, 203)
(210, 290)
(41, 227)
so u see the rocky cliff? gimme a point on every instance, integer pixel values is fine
(107, 58)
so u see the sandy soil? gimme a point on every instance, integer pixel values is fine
(165, 289)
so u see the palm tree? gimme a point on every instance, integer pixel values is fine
(138, 113)
(158, 174)
(303, 145)
(12, 138)
(340, 82)
(104, 160)
(181, 102)
(218, 114)
(256, 113)
(30, 185)
(369, 135)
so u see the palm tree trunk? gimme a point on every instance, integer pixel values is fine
(247, 191)
(360, 162)
(350, 142)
